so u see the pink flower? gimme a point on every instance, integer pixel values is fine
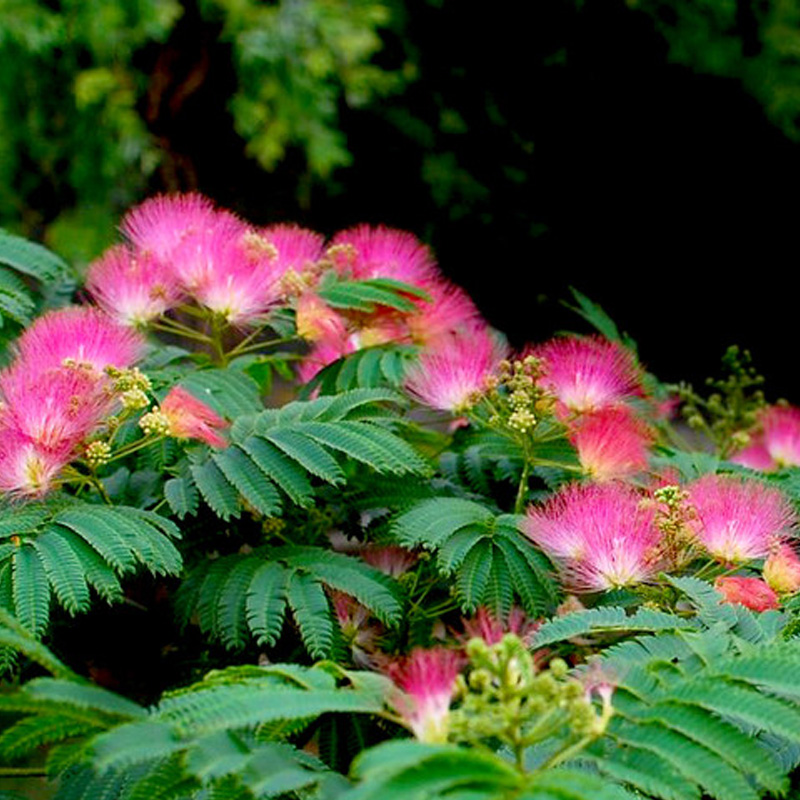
(601, 536)
(450, 310)
(382, 252)
(134, 290)
(449, 374)
(54, 410)
(323, 353)
(190, 418)
(79, 335)
(158, 225)
(487, 626)
(611, 443)
(778, 445)
(737, 520)
(316, 320)
(360, 633)
(782, 570)
(26, 469)
(297, 248)
(428, 678)
(588, 373)
(752, 593)
(391, 559)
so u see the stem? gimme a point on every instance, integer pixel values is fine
(132, 448)
(519, 505)
(180, 330)
(22, 772)
(567, 753)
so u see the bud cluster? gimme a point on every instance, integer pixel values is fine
(517, 400)
(98, 453)
(674, 517)
(155, 423)
(505, 698)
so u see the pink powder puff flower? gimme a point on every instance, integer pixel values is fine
(82, 336)
(158, 225)
(26, 469)
(321, 355)
(782, 570)
(297, 248)
(612, 443)
(601, 536)
(391, 559)
(450, 310)
(752, 593)
(190, 418)
(428, 679)
(778, 444)
(133, 290)
(491, 628)
(360, 633)
(588, 373)
(381, 252)
(316, 320)
(448, 375)
(54, 410)
(738, 520)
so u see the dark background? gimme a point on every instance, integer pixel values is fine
(584, 158)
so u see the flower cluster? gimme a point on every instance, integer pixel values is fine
(56, 393)
(605, 536)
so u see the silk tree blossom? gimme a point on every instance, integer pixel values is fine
(601, 536)
(752, 593)
(612, 443)
(450, 374)
(132, 289)
(391, 559)
(736, 519)
(298, 252)
(491, 628)
(449, 311)
(782, 570)
(55, 410)
(380, 252)
(778, 444)
(359, 630)
(428, 681)
(190, 418)
(159, 225)
(82, 336)
(588, 373)
(26, 469)
(316, 321)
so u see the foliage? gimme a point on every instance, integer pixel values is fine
(509, 599)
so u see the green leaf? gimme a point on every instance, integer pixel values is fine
(64, 570)
(283, 471)
(30, 258)
(265, 603)
(31, 590)
(311, 612)
(182, 496)
(253, 485)
(216, 490)
(307, 453)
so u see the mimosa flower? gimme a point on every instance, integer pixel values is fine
(297, 248)
(131, 289)
(428, 679)
(81, 336)
(450, 310)
(323, 353)
(54, 410)
(611, 443)
(782, 570)
(190, 418)
(358, 630)
(381, 252)
(752, 593)
(778, 444)
(491, 628)
(316, 320)
(391, 559)
(588, 373)
(600, 536)
(26, 469)
(738, 520)
(448, 375)
(158, 225)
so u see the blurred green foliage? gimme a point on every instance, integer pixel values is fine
(74, 133)
(754, 41)
(91, 92)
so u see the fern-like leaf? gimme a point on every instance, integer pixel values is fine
(311, 612)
